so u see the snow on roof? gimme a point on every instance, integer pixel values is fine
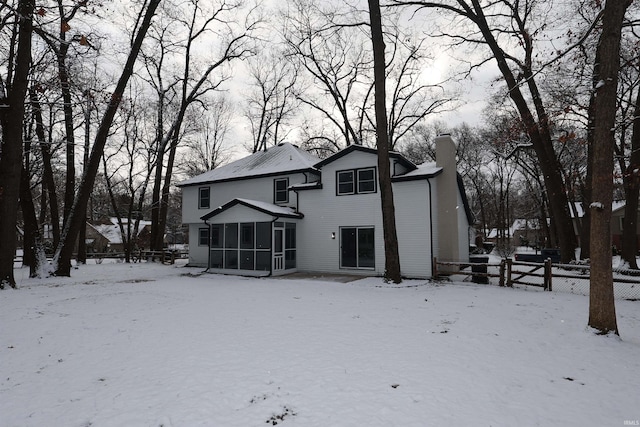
(618, 204)
(110, 232)
(125, 221)
(525, 224)
(579, 208)
(306, 186)
(266, 207)
(424, 170)
(279, 159)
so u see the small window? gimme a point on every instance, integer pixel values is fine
(204, 199)
(203, 237)
(280, 190)
(345, 182)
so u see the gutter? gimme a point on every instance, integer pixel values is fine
(431, 224)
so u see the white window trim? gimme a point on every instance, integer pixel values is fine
(200, 205)
(275, 191)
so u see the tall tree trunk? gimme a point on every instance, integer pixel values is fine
(632, 191)
(157, 182)
(391, 253)
(164, 200)
(82, 239)
(12, 119)
(49, 183)
(32, 236)
(62, 259)
(602, 311)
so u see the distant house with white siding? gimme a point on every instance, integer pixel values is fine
(283, 210)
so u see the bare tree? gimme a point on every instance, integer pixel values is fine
(13, 91)
(206, 150)
(627, 148)
(496, 25)
(128, 169)
(64, 252)
(336, 61)
(391, 253)
(602, 312)
(270, 101)
(411, 99)
(195, 82)
(631, 178)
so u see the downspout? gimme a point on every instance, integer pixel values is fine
(431, 224)
(209, 248)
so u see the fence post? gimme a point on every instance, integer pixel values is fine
(509, 266)
(435, 268)
(547, 274)
(502, 269)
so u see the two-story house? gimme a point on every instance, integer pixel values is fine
(284, 210)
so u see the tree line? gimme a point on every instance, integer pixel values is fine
(133, 95)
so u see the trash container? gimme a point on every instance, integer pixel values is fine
(479, 265)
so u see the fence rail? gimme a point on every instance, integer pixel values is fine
(166, 257)
(551, 277)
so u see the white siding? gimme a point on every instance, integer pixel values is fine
(414, 227)
(260, 189)
(325, 213)
(197, 254)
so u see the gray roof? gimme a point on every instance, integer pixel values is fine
(281, 159)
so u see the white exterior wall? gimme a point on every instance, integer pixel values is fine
(260, 189)
(324, 213)
(198, 255)
(413, 225)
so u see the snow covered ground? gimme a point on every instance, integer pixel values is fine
(156, 345)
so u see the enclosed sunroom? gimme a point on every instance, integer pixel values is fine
(251, 238)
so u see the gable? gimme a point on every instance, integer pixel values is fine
(393, 156)
(252, 207)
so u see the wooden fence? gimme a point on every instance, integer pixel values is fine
(510, 272)
(166, 257)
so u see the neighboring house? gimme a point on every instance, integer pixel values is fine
(283, 210)
(617, 218)
(528, 232)
(106, 236)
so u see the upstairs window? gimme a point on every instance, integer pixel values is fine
(356, 181)
(367, 180)
(346, 183)
(204, 197)
(280, 190)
